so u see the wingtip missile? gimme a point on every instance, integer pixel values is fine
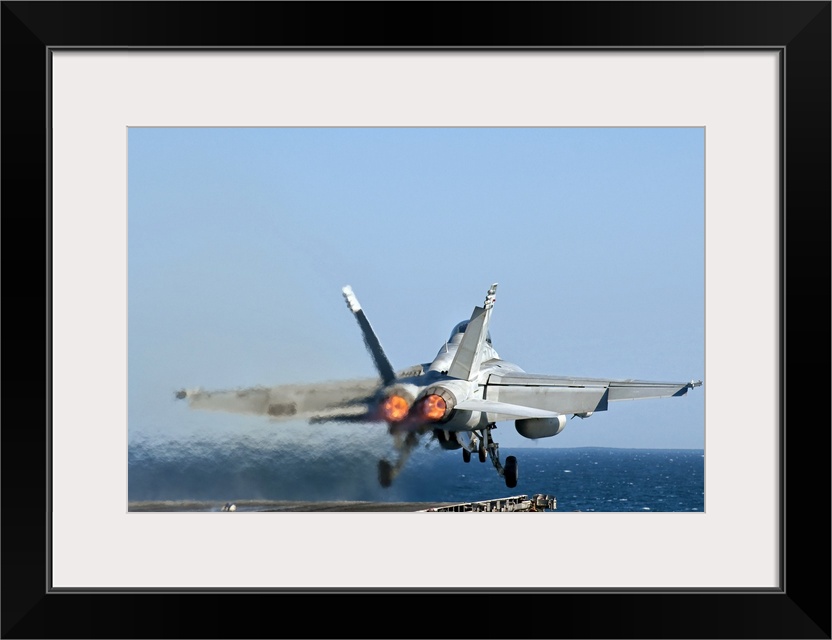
(186, 394)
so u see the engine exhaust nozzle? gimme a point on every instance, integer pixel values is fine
(433, 407)
(394, 408)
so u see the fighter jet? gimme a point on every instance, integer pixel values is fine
(456, 399)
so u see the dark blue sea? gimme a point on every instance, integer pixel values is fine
(581, 479)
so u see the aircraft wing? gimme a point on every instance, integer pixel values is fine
(339, 401)
(350, 399)
(568, 394)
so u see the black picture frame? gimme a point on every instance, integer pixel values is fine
(799, 31)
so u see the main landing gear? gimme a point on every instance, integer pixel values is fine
(481, 441)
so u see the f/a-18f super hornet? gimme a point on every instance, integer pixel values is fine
(457, 398)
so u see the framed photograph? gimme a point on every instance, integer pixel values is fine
(108, 105)
(241, 271)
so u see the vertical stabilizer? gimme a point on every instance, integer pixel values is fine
(466, 362)
(385, 369)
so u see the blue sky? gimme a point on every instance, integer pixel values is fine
(240, 240)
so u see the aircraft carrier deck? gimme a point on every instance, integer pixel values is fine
(519, 503)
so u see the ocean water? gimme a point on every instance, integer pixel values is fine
(582, 479)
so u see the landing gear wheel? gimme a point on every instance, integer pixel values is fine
(483, 454)
(466, 455)
(510, 471)
(385, 473)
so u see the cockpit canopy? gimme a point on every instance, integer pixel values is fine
(461, 327)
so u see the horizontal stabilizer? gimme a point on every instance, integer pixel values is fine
(510, 411)
(355, 413)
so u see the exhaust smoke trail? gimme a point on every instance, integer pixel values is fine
(289, 462)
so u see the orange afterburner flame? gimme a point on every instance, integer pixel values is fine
(394, 408)
(433, 407)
